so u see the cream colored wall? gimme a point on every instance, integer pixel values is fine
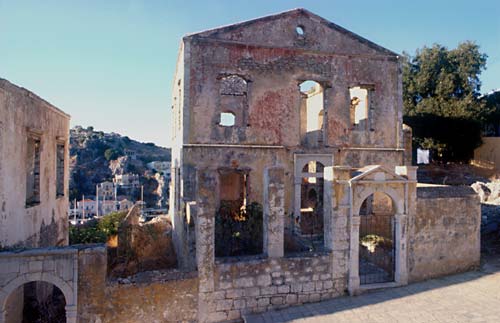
(45, 224)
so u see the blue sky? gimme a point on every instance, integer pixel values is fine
(110, 63)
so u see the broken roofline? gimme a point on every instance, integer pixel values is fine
(226, 28)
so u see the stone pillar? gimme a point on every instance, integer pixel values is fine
(328, 197)
(205, 239)
(353, 285)
(274, 212)
(296, 201)
(401, 275)
(71, 313)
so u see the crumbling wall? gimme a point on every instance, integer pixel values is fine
(445, 233)
(149, 300)
(142, 246)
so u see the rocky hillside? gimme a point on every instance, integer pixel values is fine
(96, 156)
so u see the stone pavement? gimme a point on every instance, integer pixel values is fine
(467, 297)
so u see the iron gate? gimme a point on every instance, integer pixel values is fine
(376, 249)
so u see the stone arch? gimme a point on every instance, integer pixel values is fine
(397, 200)
(65, 288)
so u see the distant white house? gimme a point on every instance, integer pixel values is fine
(127, 180)
(86, 208)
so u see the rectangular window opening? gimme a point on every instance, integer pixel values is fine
(238, 223)
(33, 171)
(359, 107)
(60, 170)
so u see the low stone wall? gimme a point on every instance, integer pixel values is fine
(148, 300)
(252, 286)
(445, 233)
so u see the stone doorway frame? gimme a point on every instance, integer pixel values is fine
(300, 160)
(378, 179)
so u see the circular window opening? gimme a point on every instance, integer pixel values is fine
(300, 30)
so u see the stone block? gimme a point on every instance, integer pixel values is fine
(309, 287)
(9, 266)
(224, 304)
(217, 316)
(252, 291)
(328, 284)
(235, 293)
(233, 315)
(48, 265)
(296, 288)
(315, 297)
(291, 299)
(284, 289)
(244, 282)
(263, 301)
(277, 300)
(251, 302)
(278, 281)
(35, 266)
(224, 285)
(270, 290)
(219, 295)
(264, 280)
(239, 304)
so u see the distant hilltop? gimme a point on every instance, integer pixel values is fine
(96, 157)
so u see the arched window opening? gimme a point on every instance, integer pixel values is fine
(227, 119)
(376, 239)
(36, 301)
(312, 112)
(359, 107)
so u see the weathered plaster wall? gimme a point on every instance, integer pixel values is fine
(445, 233)
(100, 300)
(274, 99)
(45, 224)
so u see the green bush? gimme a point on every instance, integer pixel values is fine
(96, 231)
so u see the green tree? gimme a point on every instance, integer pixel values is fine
(441, 95)
(112, 153)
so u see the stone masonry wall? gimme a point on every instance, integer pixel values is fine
(260, 285)
(445, 234)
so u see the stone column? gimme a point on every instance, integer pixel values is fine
(296, 201)
(353, 286)
(328, 198)
(71, 313)
(205, 239)
(274, 212)
(401, 275)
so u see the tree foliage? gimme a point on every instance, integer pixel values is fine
(96, 230)
(441, 99)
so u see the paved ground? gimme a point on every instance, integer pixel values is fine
(468, 297)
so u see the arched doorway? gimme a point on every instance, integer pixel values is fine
(377, 243)
(35, 301)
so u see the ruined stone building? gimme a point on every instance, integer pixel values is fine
(33, 170)
(289, 182)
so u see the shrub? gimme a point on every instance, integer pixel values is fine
(96, 231)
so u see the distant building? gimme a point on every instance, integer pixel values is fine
(34, 141)
(86, 208)
(125, 205)
(127, 180)
(107, 206)
(160, 166)
(106, 190)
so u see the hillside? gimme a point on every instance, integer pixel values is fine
(96, 156)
